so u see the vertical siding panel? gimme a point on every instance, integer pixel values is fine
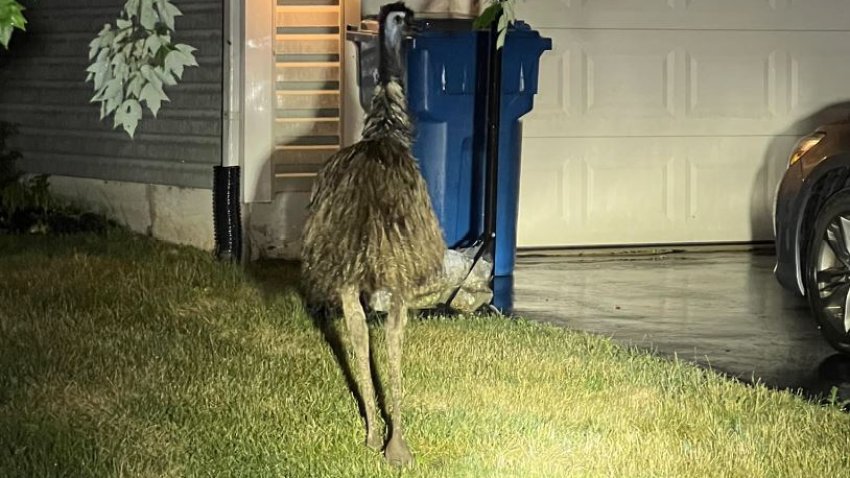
(43, 90)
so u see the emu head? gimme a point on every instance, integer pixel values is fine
(395, 22)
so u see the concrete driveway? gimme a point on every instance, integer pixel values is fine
(722, 309)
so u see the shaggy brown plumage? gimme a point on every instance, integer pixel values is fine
(370, 223)
(371, 227)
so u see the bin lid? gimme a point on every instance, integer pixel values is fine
(426, 22)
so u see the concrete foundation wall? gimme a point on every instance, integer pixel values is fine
(274, 229)
(184, 215)
(174, 214)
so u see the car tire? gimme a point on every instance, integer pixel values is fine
(827, 270)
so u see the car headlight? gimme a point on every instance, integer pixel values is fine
(804, 145)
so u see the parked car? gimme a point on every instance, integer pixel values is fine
(812, 227)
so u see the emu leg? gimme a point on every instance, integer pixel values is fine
(355, 321)
(397, 453)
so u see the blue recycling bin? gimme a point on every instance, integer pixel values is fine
(447, 97)
(446, 88)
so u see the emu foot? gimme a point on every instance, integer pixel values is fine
(374, 441)
(397, 453)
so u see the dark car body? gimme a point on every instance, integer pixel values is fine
(806, 185)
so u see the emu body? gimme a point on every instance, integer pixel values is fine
(371, 227)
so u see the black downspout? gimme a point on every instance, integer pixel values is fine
(227, 216)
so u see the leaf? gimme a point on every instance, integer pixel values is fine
(106, 38)
(103, 56)
(165, 76)
(139, 50)
(134, 87)
(131, 8)
(123, 24)
(111, 104)
(174, 63)
(153, 97)
(500, 41)
(99, 80)
(102, 73)
(129, 113)
(11, 18)
(5, 35)
(188, 54)
(114, 89)
(94, 46)
(177, 60)
(503, 30)
(118, 39)
(119, 58)
(167, 12)
(149, 74)
(503, 23)
(97, 67)
(153, 43)
(509, 10)
(149, 17)
(11, 13)
(186, 48)
(487, 16)
(98, 96)
(122, 72)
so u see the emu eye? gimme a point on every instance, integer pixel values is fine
(398, 20)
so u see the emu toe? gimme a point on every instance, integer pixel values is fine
(397, 453)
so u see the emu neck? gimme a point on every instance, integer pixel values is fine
(388, 118)
(391, 60)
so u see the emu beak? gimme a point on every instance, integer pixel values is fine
(413, 27)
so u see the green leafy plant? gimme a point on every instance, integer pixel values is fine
(27, 205)
(18, 195)
(504, 11)
(134, 60)
(28, 194)
(11, 17)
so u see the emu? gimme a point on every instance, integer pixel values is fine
(371, 227)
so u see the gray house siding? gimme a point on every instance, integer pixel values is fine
(43, 90)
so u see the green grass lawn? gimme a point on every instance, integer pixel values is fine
(122, 356)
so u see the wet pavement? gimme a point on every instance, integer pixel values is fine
(722, 309)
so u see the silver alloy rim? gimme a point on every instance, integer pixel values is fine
(833, 273)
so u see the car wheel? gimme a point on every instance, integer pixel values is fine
(827, 274)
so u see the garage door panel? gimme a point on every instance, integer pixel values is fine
(687, 14)
(696, 7)
(603, 191)
(819, 74)
(608, 204)
(619, 6)
(648, 92)
(731, 83)
(554, 84)
(545, 186)
(603, 83)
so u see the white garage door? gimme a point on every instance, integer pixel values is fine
(670, 121)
